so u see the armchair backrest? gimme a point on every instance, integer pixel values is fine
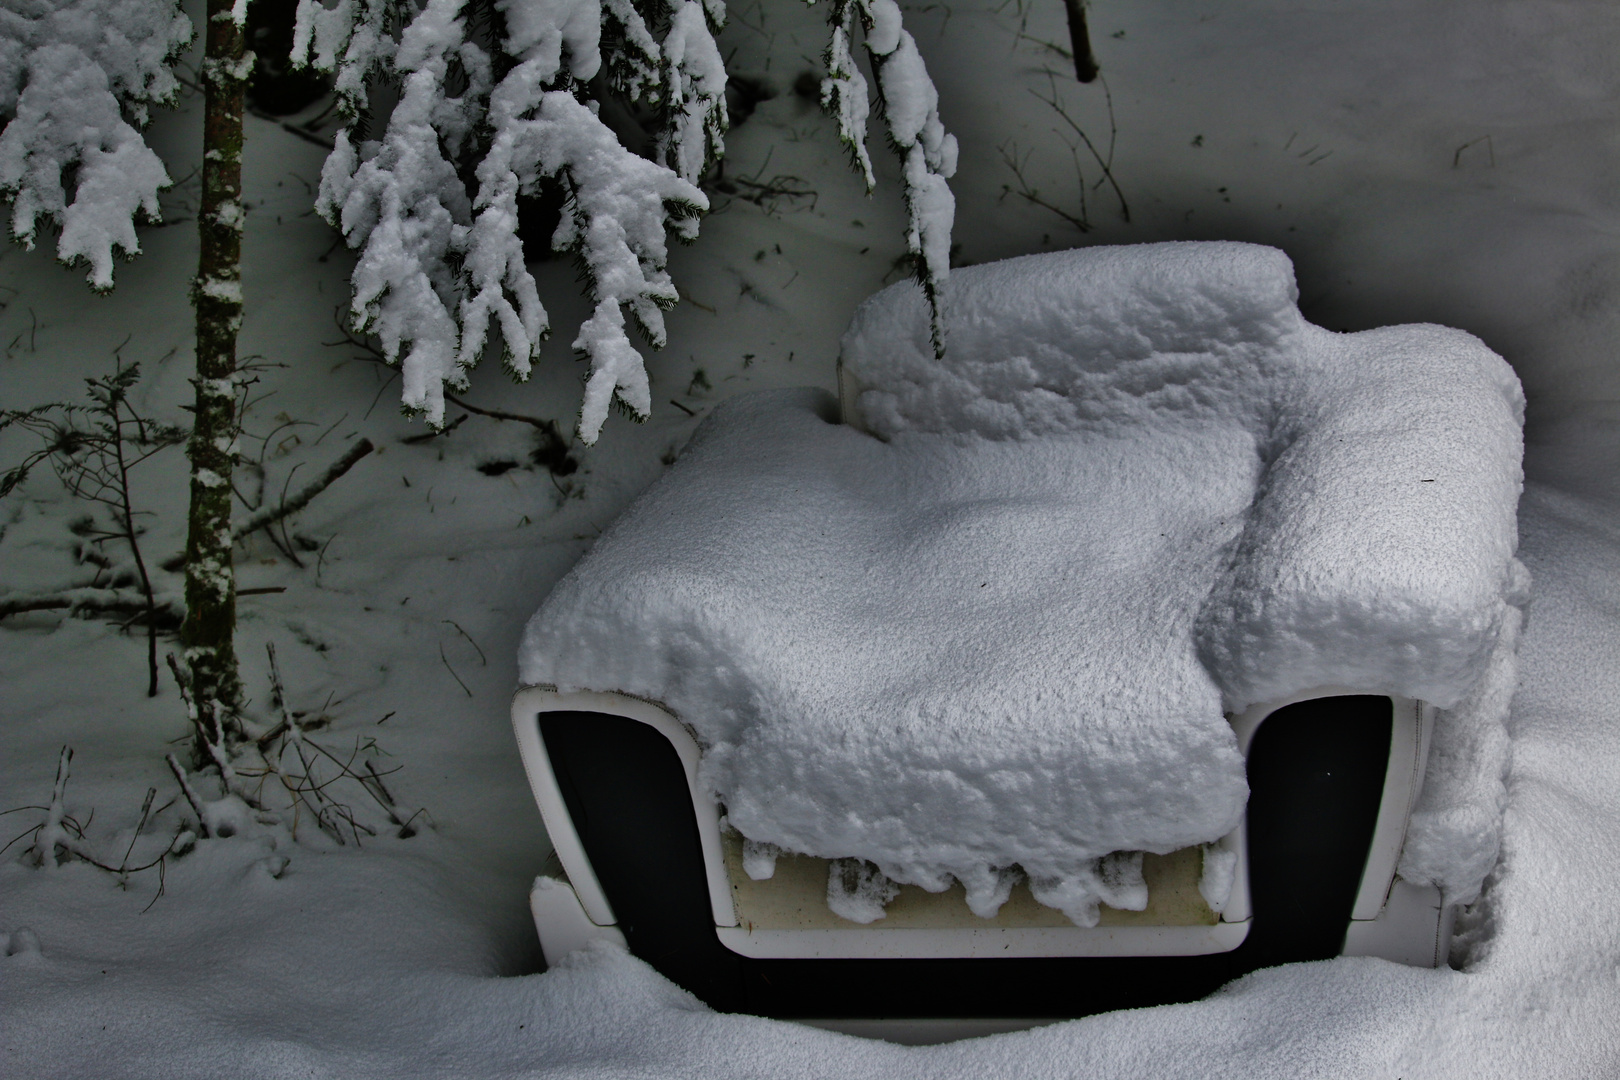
(1076, 340)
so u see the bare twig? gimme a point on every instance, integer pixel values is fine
(769, 195)
(59, 837)
(482, 659)
(302, 788)
(553, 449)
(1456, 159)
(271, 515)
(115, 403)
(305, 785)
(146, 810)
(452, 670)
(1030, 194)
(292, 129)
(94, 462)
(1056, 105)
(498, 414)
(430, 435)
(406, 829)
(191, 796)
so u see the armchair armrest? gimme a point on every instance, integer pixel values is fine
(1379, 552)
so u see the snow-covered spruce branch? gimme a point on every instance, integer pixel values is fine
(77, 79)
(441, 258)
(911, 108)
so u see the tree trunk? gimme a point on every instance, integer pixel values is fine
(1085, 62)
(210, 625)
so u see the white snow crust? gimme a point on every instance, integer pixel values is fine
(1139, 491)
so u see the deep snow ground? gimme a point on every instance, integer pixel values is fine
(416, 958)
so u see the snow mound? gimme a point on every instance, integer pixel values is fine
(1139, 491)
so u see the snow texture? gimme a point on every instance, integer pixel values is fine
(1218, 876)
(76, 82)
(421, 959)
(1140, 491)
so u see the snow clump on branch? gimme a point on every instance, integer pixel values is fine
(432, 206)
(911, 106)
(439, 262)
(77, 78)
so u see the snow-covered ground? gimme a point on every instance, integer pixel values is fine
(1447, 162)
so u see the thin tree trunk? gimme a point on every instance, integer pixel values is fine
(210, 624)
(1085, 61)
(127, 516)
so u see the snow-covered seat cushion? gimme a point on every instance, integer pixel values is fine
(995, 622)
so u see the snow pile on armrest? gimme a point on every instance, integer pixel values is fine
(1140, 490)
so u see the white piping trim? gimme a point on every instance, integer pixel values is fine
(986, 943)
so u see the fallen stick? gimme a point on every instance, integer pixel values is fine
(91, 598)
(185, 789)
(270, 515)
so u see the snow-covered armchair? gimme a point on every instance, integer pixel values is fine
(989, 658)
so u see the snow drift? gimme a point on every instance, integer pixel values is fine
(997, 629)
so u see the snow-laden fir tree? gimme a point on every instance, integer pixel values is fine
(496, 101)
(77, 80)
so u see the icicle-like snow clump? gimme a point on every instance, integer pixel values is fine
(77, 79)
(1139, 492)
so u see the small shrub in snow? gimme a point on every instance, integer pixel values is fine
(93, 449)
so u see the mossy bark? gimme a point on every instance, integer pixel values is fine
(210, 627)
